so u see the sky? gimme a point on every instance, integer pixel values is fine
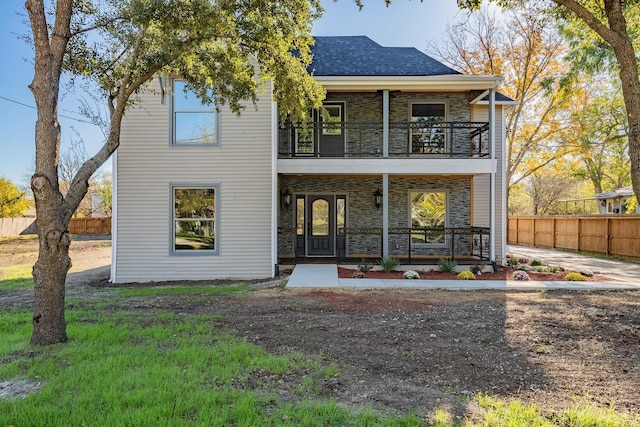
(405, 23)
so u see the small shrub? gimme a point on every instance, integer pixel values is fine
(523, 260)
(535, 262)
(511, 260)
(364, 266)
(447, 265)
(554, 268)
(389, 263)
(466, 275)
(575, 277)
(587, 273)
(411, 274)
(283, 282)
(476, 269)
(520, 275)
(541, 269)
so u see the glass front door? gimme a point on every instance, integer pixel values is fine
(320, 225)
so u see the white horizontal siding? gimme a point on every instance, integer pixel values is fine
(481, 183)
(146, 167)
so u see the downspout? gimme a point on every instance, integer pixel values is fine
(385, 176)
(274, 186)
(114, 215)
(492, 176)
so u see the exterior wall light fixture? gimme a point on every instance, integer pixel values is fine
(377, 198)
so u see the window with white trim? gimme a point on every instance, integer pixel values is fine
(194, 219)
(192, 122)
(428, 217)
(427, 134)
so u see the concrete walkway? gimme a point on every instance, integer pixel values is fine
(326, 275)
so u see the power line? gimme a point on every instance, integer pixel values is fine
(32, 107)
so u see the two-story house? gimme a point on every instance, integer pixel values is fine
(406, 159)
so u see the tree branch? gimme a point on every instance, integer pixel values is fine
(589, 18)
(101, 24)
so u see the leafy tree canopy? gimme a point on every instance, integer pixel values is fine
(214, 45)
(13, 202)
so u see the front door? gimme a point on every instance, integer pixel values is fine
(331, 132)
(320, 225)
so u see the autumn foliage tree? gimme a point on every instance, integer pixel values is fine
(13, 202)
(225, 50)
(525, 47)
(598, 132)
(615, 22)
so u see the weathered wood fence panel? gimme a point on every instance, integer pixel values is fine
(614, 235)
(10, 227)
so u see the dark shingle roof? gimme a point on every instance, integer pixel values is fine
(499, 96)
(361, 56)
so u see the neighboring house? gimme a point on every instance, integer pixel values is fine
(405, 159)
(97, 209)
(615, 202)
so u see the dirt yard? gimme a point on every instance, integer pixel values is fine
(417, 350)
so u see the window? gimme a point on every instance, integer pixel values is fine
(428, 217)
(331, 119)
(194, 219)
(193, 123)
(300, 216)
(426, 136)
(341, 213)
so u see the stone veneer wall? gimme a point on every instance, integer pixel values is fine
(362, 213)
(367, 107)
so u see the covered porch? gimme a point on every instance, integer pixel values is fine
(418, 219)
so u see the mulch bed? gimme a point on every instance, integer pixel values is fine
(503, 273)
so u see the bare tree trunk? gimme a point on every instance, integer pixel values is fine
(50, 270)
(631, 93)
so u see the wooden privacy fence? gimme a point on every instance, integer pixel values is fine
(10, 227)
(614, 235)
(90, 225)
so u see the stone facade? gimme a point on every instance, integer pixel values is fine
(362, 213)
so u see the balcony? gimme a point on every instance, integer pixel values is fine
(435, 140)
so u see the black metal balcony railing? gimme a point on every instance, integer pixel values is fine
(364, 139)
(404, 242)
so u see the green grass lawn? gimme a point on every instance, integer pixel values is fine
(124, 367)
(16, 277)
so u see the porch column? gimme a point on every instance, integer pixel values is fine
(385, 123)
(385, 215)
(492, 176)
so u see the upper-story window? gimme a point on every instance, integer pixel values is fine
(193, 123)
(428, 136)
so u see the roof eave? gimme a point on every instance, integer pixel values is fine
(453, 82)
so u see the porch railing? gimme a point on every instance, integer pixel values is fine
(404, 242)
(406, 139)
